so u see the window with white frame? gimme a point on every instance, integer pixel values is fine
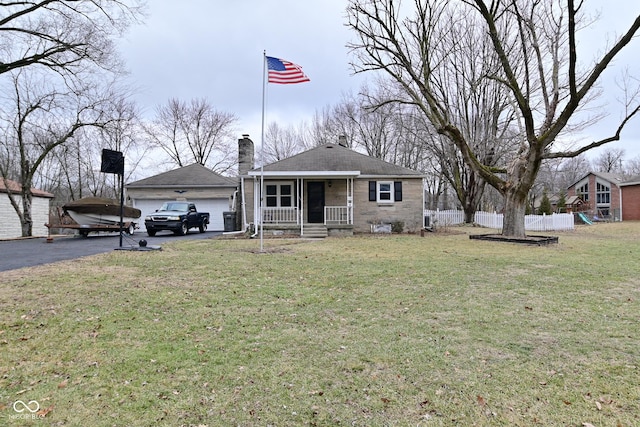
(582, 191)
(279, 194)
(385, 191)
(603, 194)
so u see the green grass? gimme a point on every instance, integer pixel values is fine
(364, 331)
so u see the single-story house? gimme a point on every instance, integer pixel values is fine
(10, 225)
(210, 191)
(608, 196)
(631, 199)
(329, 190)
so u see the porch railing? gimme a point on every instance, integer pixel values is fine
(337, 215)
(280, 215)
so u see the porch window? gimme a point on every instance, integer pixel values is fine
(385, 191)
(279, 195)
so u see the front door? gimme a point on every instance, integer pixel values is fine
(315, 202)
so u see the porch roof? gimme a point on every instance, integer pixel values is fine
(333, 160)
(306, 174)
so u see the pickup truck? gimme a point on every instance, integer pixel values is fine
(178, 217)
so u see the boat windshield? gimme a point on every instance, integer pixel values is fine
(175, 206)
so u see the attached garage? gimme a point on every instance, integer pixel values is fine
(631, 199)
(215, 207)
(210, 191)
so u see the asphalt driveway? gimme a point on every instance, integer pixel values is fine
(38, 251)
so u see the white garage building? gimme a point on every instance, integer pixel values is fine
(10, 226)
(210, 191)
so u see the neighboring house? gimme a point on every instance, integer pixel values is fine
(210, 191)
(10, 225)
(329, 190)
(631, 199)
(605, 196)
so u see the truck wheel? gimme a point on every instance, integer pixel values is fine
(183, 229)
(203, 227)
(131, 229)
(151, 233)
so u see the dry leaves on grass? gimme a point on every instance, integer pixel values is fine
(44, 412)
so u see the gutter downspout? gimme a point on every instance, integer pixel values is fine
(243, 204)
(620, 201)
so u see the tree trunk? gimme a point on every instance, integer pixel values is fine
(469, 213)
(26, 219)
(514, 210)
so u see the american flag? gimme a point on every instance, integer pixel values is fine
(284, 72)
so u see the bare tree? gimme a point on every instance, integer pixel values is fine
(371, 122)
(42, 118)
(632, 166)
(63, 35)
(281, 143)
(610, 160)
(59, 55)
(194, 132)
(534, 47)
(323, 129)
(73, 169)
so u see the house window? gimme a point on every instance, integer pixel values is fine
(279, 195)
(603, 194)
(385, 191)
(583, 191)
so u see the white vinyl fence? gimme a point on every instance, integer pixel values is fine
(554, 222)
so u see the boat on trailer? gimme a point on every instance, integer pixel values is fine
(100, 214)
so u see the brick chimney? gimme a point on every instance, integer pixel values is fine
(245, 164)
(245, 155)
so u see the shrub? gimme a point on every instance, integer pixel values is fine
(397, 226)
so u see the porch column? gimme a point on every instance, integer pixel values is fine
(257, 207)
(350, 199)
(301, 210)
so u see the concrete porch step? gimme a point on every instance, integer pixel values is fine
(315, 231)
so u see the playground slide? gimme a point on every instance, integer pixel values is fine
(584, 219)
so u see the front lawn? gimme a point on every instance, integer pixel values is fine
(404, 330)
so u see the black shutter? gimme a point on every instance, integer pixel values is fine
(397, 191)
(372, 191)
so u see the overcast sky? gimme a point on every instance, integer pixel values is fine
(214, 49)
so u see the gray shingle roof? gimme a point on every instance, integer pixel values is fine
(634, 180)
(618, 179)
(194, 175)
(336, 158)
(16, 187)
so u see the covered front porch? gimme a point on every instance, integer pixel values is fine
(310, 204)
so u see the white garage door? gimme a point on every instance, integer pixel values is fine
(215, 207)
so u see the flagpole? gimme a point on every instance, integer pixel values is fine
(264, 89)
